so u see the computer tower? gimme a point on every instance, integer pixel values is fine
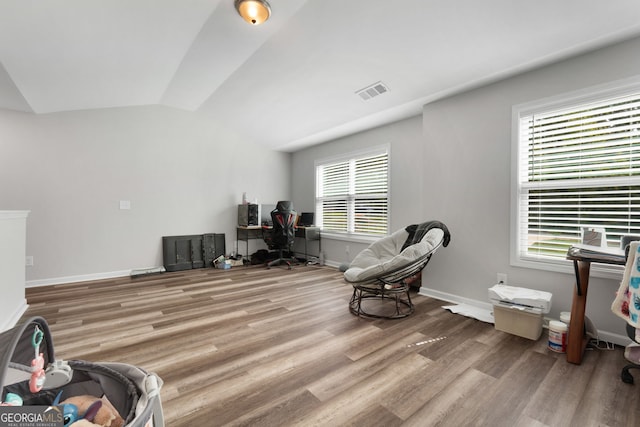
(248, 214)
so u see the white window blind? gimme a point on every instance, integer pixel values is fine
(352, 194)
(579, 166)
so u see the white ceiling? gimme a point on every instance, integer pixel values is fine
(290, 82)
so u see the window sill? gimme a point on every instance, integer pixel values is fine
(603, 271)
(355, 238)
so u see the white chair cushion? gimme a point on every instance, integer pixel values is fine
(384, 255)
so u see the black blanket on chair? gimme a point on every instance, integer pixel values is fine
(417, 232)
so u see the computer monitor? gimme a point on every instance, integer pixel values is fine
(306, 219)
(265, 213)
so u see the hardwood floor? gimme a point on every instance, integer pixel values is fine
(257, 347)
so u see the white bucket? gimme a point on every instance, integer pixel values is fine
(557, 336)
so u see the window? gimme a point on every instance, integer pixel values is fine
(578, 166)
(352, 194)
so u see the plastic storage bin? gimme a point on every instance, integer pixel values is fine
(519, 311)
(523, 322)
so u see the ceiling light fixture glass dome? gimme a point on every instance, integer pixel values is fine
(255, 12)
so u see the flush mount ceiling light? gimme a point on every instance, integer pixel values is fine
(255, 12)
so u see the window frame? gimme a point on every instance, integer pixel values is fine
(571, 99)
(350, 157)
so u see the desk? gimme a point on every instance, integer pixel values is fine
(309, 234)
(246, 233)
(582, 265)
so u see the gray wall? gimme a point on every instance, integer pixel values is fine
(470, 135)
(465, 180)
(182, 173)
(406, 148)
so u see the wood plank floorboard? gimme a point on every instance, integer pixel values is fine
(273, 347)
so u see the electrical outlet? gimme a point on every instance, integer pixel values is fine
(28, 261)
(502, 278)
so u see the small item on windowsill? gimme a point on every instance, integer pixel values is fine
(594, 236)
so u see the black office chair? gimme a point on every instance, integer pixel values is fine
(625, 375)
(282, 233)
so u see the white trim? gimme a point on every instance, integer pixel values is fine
(349, 157)
(564, 100)
(514, 229)
(580, 96)
(333, 264)
(454, 298)
(13, 214)
(355, 238)
(363, 152)
(389, 192)
(621, 340)
(12, 320)
(604, 271)
(75, 279)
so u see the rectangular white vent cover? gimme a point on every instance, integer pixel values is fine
(372, 91)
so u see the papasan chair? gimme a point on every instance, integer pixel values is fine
(382, 273)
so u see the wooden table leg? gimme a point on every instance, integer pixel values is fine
(577, 341)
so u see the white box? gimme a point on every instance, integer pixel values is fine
(518, 320)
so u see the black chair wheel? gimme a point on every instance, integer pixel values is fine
(626, 376)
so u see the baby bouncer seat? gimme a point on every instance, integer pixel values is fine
(381, 275)
(30, 375)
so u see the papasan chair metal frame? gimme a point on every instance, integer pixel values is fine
(393, 285)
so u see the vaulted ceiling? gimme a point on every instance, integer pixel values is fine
(292, 81)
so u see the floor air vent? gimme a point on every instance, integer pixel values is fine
(372, 91)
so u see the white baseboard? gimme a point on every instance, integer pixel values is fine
(454, 298)
(74, 279)
(12, 320)
(610, 337)
(618, 339)
(332, 263)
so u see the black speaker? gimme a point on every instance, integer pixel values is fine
(248, 214)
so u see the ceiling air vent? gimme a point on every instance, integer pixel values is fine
(372, 91)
